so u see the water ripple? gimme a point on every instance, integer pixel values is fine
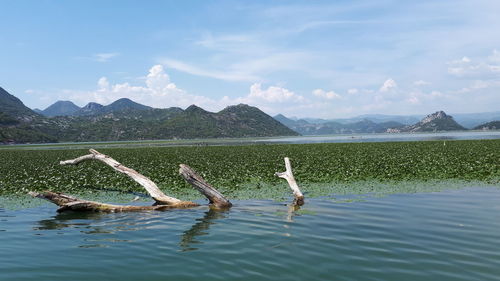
(451, 235)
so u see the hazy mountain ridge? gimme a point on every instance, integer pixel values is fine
(391, 123)
(331, 127)
(493, 125)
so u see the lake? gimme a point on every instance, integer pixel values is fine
(385, 137)
(345, 138)
(448, 235)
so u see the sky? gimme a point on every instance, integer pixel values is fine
(322, 59)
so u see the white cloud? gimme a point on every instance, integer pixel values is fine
(272, 94)
(421, 83)
(222, 75)
(481, 68)
(495, 57)
(159, 80)
(104, 57)
(388, 85)
(326, 95)
(352, 91)
(103, 83)
(158, 92)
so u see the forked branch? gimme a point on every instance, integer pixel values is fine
(66, 202)
(148, 184)
(288, 176)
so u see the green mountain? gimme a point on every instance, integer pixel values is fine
(438, 121)
(234, 121)
(493, 125)
(122, 104)
(91, 108)
(61, 108)
(16, 121)
(12, 107)
(127, 120)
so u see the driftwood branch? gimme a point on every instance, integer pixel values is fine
(215, 198)
(67, 203)
(148, 184)
(288, 176)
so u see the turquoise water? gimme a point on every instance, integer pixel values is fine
(449, 235)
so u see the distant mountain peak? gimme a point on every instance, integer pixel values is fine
(436, 115)
(194, 108)
(93, 105)
(125, 103)
(437, 121)
(61, 108)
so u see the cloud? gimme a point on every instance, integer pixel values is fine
(103, 83)
(481, 68)
(421, 83)
(272, 94)
(104, 57)
(326, 95)
(495, 57)
(222, 75)
(272, 100)
(158, 92)
(388, 85)
(352, 91)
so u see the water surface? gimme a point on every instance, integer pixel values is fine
(341, 138)
(449, 235)
(387, 137)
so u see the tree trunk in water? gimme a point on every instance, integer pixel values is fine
(163, 202)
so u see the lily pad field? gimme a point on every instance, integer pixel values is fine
(248, 170)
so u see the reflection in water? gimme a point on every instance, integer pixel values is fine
(68, 219)
(87, 221)
(200, 228)
(292, 208)
(92, 223)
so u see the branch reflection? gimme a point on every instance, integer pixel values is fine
(200, 228)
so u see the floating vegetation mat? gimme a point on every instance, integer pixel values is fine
(247, 171)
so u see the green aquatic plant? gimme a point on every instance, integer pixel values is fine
(248, 171)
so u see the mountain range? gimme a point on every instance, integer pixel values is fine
(128, 120)
(125, 119)
(379, 123)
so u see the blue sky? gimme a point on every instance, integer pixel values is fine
(325, 59)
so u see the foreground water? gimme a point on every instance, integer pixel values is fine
(449, 235)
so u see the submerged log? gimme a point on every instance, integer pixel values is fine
(288, 176)
(215, 198)
(66, 202)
